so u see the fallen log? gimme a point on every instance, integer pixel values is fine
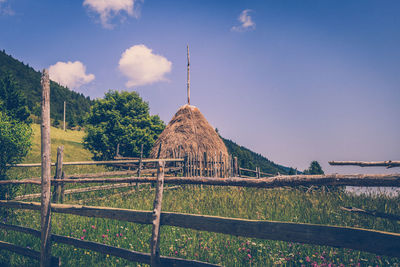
(388, 163)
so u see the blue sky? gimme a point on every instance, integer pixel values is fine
(293, 80)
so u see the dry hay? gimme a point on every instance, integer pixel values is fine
(188, 132)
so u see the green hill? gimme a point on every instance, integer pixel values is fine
(28, 81)
(250, 160)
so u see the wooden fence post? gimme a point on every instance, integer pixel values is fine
(62, 194)
(205, 163)
(235, 165)
(58, 175)
(140, 165)
(258, 172)
(155, 235)
(45, 218)
(185, 163)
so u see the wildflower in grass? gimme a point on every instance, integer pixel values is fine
(249, 256)
(176, 252)
(82, 237)
(93, 227)
(308, 259)
(196, 255)
(103, 236)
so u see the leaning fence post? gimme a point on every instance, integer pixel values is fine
(155, 235)
(58, 176)
(45, 211)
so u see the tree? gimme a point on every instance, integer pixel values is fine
(121, 118)
(12, 101)
(314, 168)
(15, 142)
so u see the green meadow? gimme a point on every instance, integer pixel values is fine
(285, 204)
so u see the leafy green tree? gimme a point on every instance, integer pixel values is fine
(314, 168)
(12, 101)
(121, 118)
(15, 142)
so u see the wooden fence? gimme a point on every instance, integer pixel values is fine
(195, 171)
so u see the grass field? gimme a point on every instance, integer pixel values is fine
(292, 205)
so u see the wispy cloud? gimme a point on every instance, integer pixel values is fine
(5, 8)
(246, 22)
(141, 66)
(70, 74)
(108, 9)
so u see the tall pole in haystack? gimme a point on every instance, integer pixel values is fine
(45, 222)
(188, 75)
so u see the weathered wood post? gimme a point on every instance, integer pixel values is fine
(215, 165)
(258, 172)
(155, 235)
(235, 166)
(58, 175)
(185, 166)
(221, 162)
(200, 165)
(205, 163)
(64, 114)
(45, 211)
(139, 171)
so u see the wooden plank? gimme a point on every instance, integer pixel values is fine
(373, 241)
(105, 249)
(59, 174)
(387, 163)
(54, 261)
(155, 234)
(45, 214)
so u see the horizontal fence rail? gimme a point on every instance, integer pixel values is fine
(378, 242)
(97, 162)
(27, 252)
(388, 163)
(368, 180)
(102, 248)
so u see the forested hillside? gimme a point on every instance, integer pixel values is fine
(28, 81)
(250, 160)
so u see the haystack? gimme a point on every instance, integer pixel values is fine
(188, 133)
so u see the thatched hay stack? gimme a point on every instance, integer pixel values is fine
(188, 132)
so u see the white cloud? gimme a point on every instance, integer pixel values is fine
(5, 8)
(141, 66)
(70, 74)
(107, 9)
(246, 22)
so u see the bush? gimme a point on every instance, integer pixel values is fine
(121, 118)
(15, 142)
